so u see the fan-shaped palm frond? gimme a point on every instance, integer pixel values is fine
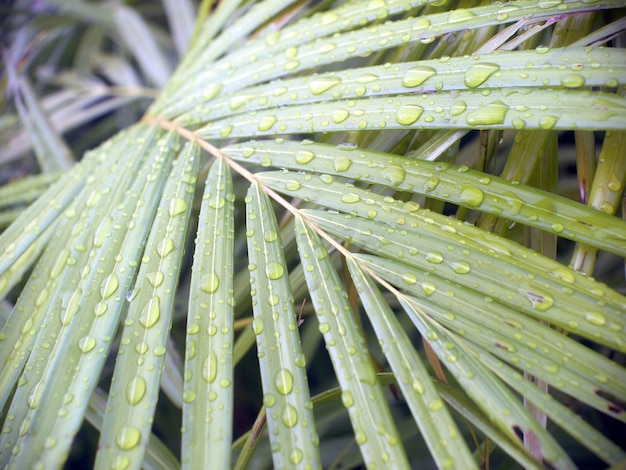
(334, 170)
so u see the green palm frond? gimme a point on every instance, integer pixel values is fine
(317, 151)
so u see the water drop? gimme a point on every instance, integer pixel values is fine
(460, 14)
(436, 404)
(341, 164)
(289, 416)
(324, 327)
(128, 437)
(339, 115)
(434, 257)
(165, 247)
(210, 283)
(304, 156)
(547, 121)
(539, 300)
(322, 84)
(409, 278)
(460, 267)
(564, 274)
(429, 288)
(471, 196)
(86, 344)
(136, 390)
(283, 381)
(347, 399)
(573, 81)
(109, 285)
(614, 183)
(269, 400)
(296, 455)
(267, 122)
(257, 325)
(177, 206)
(458, 108)
(350, 198)
(274, 270)
(595, 318)
(408, 114)
(478, 74)
(209, 368)
(151, 312)
(417, 75)
(155, 278)
(492, 114)
(292, 185)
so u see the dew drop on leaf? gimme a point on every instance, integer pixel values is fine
(136, 390)
(128, 437)
(478, 74)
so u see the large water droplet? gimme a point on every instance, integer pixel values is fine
(417, 75)
(136, 390)
(274, 270)
(596, 318)
(347, 399)
(304, 156)
(209, 367)
(128, 437)
(165, 247)
(283, 381)
(210, 282)
(289, 416)
(547, 121)
(460, 14)
(408, 114)
(151, 312)
(471, 196)
(478, 74)
(155, 278)
(573, 81)
(342, 164)
(86, 344)
(109, 285)
(539, 300)
(492, 114)
(267, 122)
(350, 198)
(321, 84)
(177, 206)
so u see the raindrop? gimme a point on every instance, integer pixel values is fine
(408, 114)
(595, 318)
(458, 108)
(347, 399)
(460, 14)
(304, 156)
(322, 84)
(296, 455)
(429, 288)
(128, 437)
(342, 164)
(210, 283)
(478, 74)
(292, 185)
(547, 121)
(460, 267)
(539, 301)
(151, 312)
(209, 368)
(274, 270)
(339, 115)
(289, 416)
(283, 381)
(108, 286)
(86, 344)
(267, 122)
(564, 274)
(257, 326)
(492, 114)
(434, 257)
(165, 247)
(417, 75)
(573, 81)
(177, 206)
(155, 278)
(350, 198)
(471, 196)
(136, 390)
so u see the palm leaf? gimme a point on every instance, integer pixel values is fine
(332, 136)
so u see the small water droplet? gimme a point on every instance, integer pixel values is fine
(478, 74)
(434, 257)
(155, 278)
(136, 390)
(151, 312)
(558, 228)
(339, 115)
(128, 437)
(539, 300)
(614, 183)
(460, 267)
(292, 185)
(324, 327)
(296, 455)
(458, 108)
(573, 81)
(436, 404)
(564, 274)
(269, 400)
(257, 325)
